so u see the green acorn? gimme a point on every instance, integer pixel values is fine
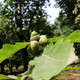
(43, 40)
(34, 33)
(34, 45)
(34, 36)
(37, 37)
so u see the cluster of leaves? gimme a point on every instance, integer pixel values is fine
(76, 11)
(65, 23)
(53, 59)
(66, 11)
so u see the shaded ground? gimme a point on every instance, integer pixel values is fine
(70, 75)
(14, 72)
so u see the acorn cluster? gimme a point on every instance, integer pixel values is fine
(37, 41)
(77, 20)
(76, 11)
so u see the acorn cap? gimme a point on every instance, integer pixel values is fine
(33, 38)
(34, 42)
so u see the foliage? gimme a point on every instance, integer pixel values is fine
(74, 37)
(72, 68)
(9, 49)
(4, 77)
(65, 23)
(25, 16)
(76, 11)
(63, 26)
(53, 60)
(22, 17)
(66, 10)
(56, 57)
(55, 39)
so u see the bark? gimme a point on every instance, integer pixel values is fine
(11, 65)
(20, 34)
(25, 63)
(2, 67)
(3, 63)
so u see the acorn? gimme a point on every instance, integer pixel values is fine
(34, 33)
(37, 37)
(34, 45)
(43, 40)
(34, 36)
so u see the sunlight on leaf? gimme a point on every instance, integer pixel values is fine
(53, 60)
(55, 39)
(4, 77)
(75, 36)
(9, 49)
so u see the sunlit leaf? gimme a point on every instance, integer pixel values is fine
(9, 49)
(75, 36)
(4, 77)
(55, 39)
(53, 60)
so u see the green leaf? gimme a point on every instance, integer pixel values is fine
(4, 77)
(75, 36)
(55, 39)
(53, 60)
(9, 49)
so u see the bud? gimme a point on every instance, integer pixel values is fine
(43, 40)
(34, 45)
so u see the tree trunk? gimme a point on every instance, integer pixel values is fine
(2, 67)
(10, 65)
(3, 63)
(20, 34)
(25, 60)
